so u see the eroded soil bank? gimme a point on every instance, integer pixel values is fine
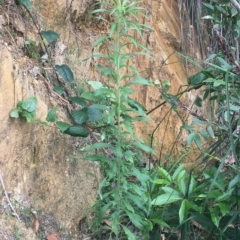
(41, 168)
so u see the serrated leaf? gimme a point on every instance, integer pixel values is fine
(52, 116)
(79, 116)
(29, 104)
(59, 90)
(65, 72)
(63, 126)
(25, 3)
(166, 199)
(78, 101)
(49, 35)
(93, 114)
(77, 131)
(14, 113)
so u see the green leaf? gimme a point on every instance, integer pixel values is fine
(25, 3)
(196, 79)
(99, 40)
(210, 131)
(49, 35)
(198, 102)
(208, 6)
(224, 208)
(188, 127)
(204, 134)
(160, 222)
(181, 182)
(161, 181)
(169, 190)
(94, 114)
(79, 116)
(225, 196)
(225, 64)
(144, 147)
(166, 199)
(90, 96)
(59, 90)
(192, 185)
(197, 121)
(95, 84)
(77, 131)
(130, 235)
(183, 211)
(214, 215)
(98, 158)
(190, 138)
(217, 83)
(78, 101)
(14, 113)
(234, 181)
(65, 72)
(198, 140)
(29, 104)
(52, 116)
(165, 174)
(177, 171)
(139, 80)
(97, 146)
(63, 126)
(27, 115)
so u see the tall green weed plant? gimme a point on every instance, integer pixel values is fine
(122, 201)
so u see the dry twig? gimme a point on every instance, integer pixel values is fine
(9, 202)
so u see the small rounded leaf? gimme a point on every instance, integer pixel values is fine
(14, 113)
(29, 104)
